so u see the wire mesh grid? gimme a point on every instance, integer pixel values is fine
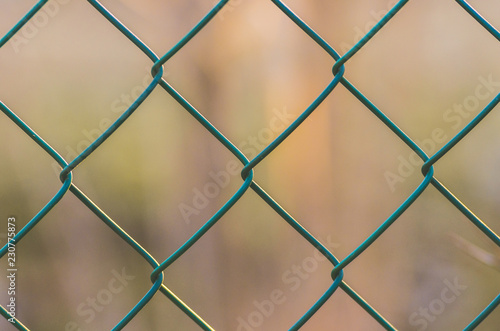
(339, 68)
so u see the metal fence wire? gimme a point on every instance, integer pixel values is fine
(340, 63)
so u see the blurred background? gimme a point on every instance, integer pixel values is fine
(69, 74)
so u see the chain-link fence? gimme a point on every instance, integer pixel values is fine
(17, 234)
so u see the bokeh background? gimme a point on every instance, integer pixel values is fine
(70, 73)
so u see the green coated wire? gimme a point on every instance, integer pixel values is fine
(247, 173)
(59, 195)
(22, 22)
(479, 318)
(480, 19)
(363, 41)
